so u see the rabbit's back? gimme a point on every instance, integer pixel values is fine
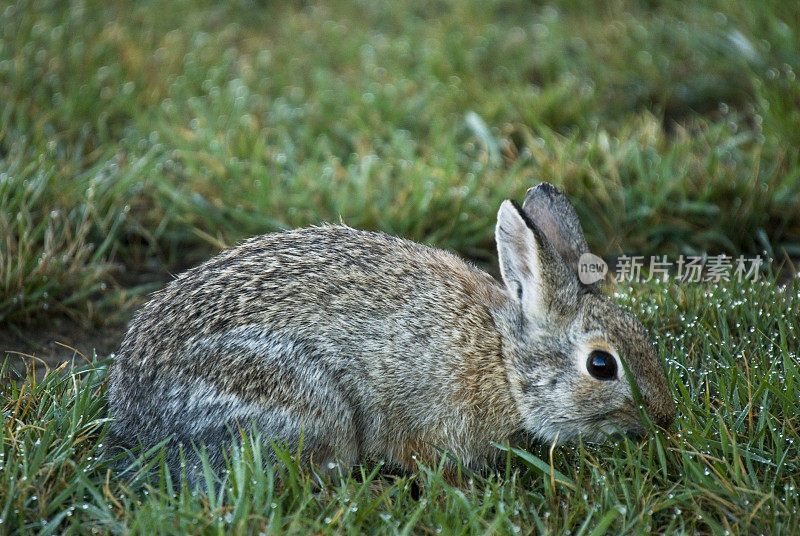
(357, 339)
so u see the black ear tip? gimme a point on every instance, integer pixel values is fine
(543, 193)
(543, 188)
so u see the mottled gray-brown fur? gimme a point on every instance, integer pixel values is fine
(374, 347)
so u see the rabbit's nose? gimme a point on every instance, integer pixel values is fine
(666, 421)
(663, 417)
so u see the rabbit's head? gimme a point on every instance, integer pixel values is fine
(578, 364)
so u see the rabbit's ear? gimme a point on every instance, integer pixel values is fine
(553, 214)
(530, 266)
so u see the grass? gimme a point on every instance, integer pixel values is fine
(729, 466)
(138, 138)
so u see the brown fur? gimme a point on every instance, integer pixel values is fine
(369, 346)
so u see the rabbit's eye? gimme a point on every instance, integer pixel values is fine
(602, 365)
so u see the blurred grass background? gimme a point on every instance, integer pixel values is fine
(141, 136)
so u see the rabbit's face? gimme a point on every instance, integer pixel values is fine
(570, 381)
(578, 364)
(644, 383)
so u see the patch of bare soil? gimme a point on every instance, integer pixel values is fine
(58, 340)
(61, 340)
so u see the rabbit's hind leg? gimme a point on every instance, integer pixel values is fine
(286, 387)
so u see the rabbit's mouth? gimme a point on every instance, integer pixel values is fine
(606, 428)
(622, 422)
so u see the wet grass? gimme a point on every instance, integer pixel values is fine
(730, 464)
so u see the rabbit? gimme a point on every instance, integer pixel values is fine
(371, 347)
